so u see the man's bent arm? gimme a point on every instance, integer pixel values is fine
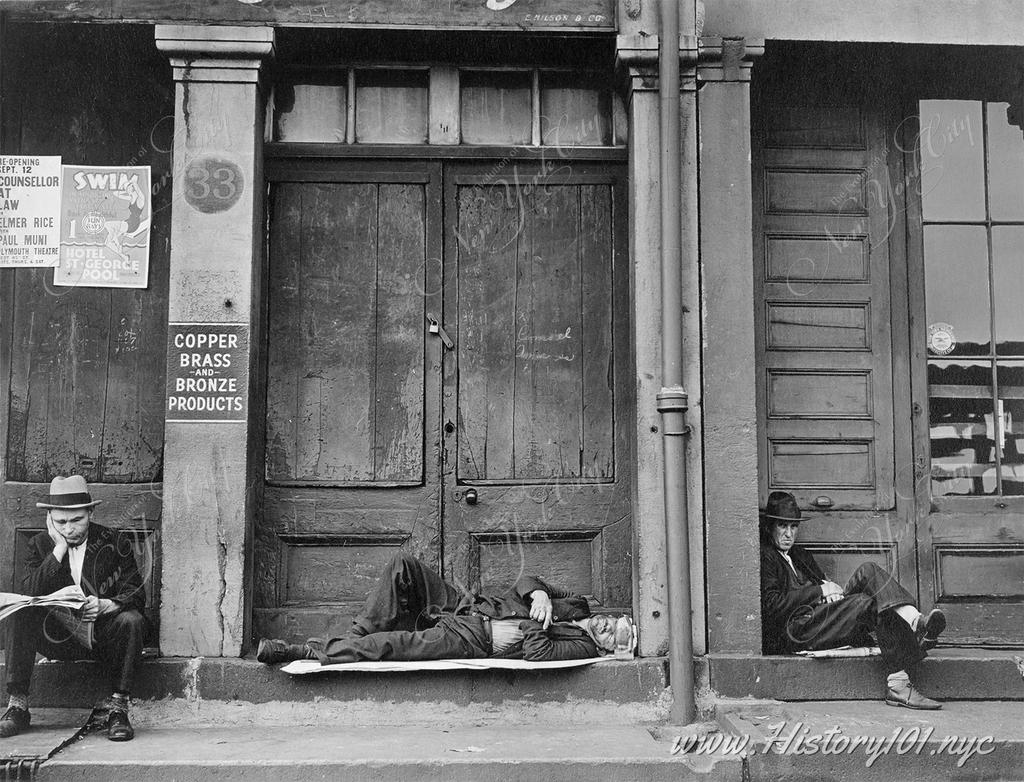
(539, 646)
(43, 572)
(527, 584)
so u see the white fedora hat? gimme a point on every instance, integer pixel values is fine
(70, 492)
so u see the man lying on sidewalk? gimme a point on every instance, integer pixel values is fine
(413, 614)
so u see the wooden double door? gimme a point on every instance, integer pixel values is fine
(448, 375)
(889, 377)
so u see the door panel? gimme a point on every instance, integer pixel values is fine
(535, 304)
(823, 243)
(352, 389)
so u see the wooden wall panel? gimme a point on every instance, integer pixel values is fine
(487, 334)
(821, 465)
(596, 339)
(818, 326)
(568, 562)
(535, 340)
(398, 398)
(819, 394)
(816, 259)
(831, 127)
(979, 572)
(345, 389)
(87, 367)
(548, 416)
(814, 192)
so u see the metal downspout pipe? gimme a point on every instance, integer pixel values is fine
(672, 399)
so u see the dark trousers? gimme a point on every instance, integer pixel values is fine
(117, 644)
(408, 596)
(409, 616)
(872, 594)
(451, 637)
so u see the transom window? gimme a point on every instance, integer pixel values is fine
(972, 199)
(447, 105)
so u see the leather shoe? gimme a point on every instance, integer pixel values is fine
(118, 726)
(14, 721)
(274, 650)
(929, 627)
(905, 695)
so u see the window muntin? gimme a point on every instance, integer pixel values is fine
(972, 198)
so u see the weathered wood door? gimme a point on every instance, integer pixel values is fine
(826, 258)
(352, 471)
(537, 383)
(526, 280)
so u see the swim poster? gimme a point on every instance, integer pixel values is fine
(105, 212)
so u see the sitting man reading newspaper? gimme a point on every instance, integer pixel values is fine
(75, 551)
(413, 614)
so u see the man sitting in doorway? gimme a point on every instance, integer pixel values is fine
(76, 550)
(802, 610)
(413, 614)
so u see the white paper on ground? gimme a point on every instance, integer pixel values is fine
(479, 664)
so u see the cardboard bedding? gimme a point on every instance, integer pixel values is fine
(301, 667)
(843, 651)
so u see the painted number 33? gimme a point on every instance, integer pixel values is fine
(213, 184)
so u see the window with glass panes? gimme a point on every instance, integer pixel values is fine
(488, 106)
(972, 198)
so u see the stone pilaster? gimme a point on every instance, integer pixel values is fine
(730, 409)
(212, 457)
(638, 69)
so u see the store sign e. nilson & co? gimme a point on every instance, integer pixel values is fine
(106, 213)
(582, 15)
(207, 372)
(29, 211)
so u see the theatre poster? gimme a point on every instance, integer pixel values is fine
(106, 212)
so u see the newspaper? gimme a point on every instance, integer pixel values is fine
(65, 604)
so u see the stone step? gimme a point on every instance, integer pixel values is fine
(947, 673)
(870, 741)
(180, 690)
(254, 753)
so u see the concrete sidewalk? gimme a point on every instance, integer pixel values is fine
(828, 740)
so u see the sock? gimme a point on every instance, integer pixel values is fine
(900, 677)
(120, 700)
(18, 701)
(908, 614)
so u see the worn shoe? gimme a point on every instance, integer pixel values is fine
(118, 726)
(905, 695)
(14, 721)
(274, 650)
(929, 627)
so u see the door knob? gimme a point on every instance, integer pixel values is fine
(471, 496)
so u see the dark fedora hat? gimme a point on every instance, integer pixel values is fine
(781, 506)
(70, 492)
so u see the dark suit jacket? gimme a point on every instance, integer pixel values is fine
(109, 569)
(515, 603)
(559, 642)
(782, 593)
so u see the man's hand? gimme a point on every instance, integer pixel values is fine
(540, 607)
(60, 544)
(96, 607)
(91, 609)
(831, 592)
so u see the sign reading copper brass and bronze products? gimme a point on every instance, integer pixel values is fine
(207, 372)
